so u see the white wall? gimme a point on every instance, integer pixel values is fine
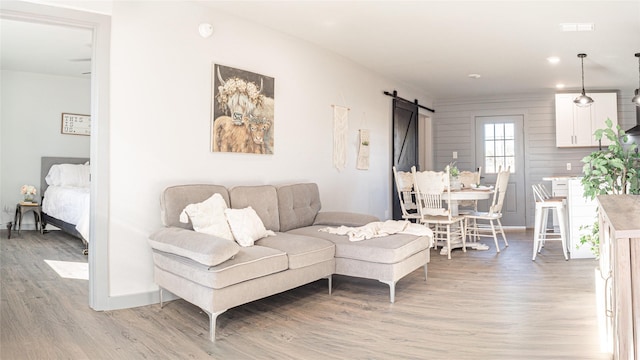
(32, 105)
(160, 121)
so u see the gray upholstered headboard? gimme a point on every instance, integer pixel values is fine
(46, 163)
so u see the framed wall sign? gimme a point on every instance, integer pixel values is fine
(76, 124)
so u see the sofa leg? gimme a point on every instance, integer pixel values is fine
(330, 278)
(425, 272)
(212, 323)
(392, 289)
(161, 302)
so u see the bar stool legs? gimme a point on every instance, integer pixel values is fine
(541, 234)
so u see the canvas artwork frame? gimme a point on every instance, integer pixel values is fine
(242, 115)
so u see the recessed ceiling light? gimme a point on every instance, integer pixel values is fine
(553, 59)
(474, 76)
(560, 86)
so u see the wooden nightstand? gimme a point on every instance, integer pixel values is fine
(23, 208)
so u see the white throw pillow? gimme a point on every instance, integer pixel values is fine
(246, 226)
(208, 217)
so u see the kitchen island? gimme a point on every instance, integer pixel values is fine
(619, 218)
(581, 213)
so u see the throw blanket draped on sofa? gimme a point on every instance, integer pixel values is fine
(379, 229)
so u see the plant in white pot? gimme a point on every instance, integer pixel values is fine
(613, 170)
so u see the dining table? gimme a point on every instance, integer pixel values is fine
(481, 193)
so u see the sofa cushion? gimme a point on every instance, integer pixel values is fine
(263, 199)
(386, 250)
(250, 263)
(298, 205)
(206, 249)
(175, 198)
(246, 226)
(340, 218)
(208, 217)
(301, 250)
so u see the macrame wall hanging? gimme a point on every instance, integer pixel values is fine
(363, 150)
(340, 129)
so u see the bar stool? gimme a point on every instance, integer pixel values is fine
(544, 204)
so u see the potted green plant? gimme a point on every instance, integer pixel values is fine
(613, 170)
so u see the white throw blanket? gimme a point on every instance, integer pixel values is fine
(379, 229)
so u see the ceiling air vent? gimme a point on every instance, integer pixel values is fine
(577, 27)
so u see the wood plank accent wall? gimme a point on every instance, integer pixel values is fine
(454, 130)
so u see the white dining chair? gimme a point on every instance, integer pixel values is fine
(468, 179)
(484, 223)
(432, 189)
(406, 194)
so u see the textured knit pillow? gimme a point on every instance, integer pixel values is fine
(246, 226)
(208, 217)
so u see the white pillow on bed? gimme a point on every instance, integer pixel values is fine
(68, 175)
(208, 217)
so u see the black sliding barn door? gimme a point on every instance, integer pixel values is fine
(405, 144)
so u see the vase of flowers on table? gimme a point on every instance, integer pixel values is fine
(454, 180)
(29, 192)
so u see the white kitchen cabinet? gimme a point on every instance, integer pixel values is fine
(575, 125)
(581, 212)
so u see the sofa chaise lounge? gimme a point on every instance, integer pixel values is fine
(216, 274)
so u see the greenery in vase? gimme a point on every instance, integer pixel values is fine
(453, 170)
(613, 170)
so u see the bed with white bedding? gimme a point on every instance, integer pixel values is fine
(65, 188)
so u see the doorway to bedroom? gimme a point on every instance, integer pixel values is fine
(46, 86)
(46, 102)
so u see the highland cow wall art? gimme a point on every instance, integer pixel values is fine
(242, 114)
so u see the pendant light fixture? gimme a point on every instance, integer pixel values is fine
(583, 100)
(636, 99)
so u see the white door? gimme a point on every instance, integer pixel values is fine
(499, 143)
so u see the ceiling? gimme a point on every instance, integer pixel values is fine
(44, 48)
(430, 45)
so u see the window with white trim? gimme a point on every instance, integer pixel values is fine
(499, 147)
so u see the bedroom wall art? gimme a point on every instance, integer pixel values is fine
(242, 111)
(76, 124)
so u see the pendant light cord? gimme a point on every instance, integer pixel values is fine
(582, 65)
(638, 56)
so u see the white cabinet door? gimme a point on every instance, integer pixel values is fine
(575, 125)
(564, 120)
(606, 106)
(582, 120)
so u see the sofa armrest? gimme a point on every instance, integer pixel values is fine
(204, 248)
(339, 218)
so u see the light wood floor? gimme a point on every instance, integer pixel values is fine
(478, 305)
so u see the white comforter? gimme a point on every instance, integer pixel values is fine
(380, 228)
(69, 204)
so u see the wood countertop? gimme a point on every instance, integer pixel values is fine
(623, 213)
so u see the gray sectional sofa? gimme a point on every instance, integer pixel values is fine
(216, 274)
